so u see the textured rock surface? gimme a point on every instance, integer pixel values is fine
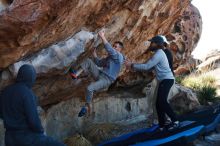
(77, 140)
(211, 62)
(107, 108)
(183, 99)
(211, 67)
(50, 34)
(30, 26)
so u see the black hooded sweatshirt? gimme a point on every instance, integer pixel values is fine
(170, 58)
(18, 107)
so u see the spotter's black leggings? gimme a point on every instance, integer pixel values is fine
(162, 104)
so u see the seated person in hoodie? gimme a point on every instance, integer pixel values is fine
(18, 110)
(104, 70)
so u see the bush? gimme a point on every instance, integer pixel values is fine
(191, 82)
(207, 94)
(208, 80)
(203, 85)
(197, 81)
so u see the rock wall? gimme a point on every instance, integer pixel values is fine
(106, 109)
(59, 28)
(51, 34)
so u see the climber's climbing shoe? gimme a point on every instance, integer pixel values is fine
(82, 112)
(73, 74)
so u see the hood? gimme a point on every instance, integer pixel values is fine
(26, 75)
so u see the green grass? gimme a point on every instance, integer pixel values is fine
(207, 94)
(203, 85)
(198, 81)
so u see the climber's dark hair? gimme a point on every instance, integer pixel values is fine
(120, 44)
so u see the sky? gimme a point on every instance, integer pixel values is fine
(210, 38)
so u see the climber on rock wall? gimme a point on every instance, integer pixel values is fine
(164, 75)
(103, 70)
(18, 110)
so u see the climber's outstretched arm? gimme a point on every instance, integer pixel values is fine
(112, 52)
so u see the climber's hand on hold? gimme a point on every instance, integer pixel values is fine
(101, 33)
(102, 36)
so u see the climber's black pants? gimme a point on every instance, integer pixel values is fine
(162, 104)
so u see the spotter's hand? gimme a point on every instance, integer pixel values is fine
(128, 64)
